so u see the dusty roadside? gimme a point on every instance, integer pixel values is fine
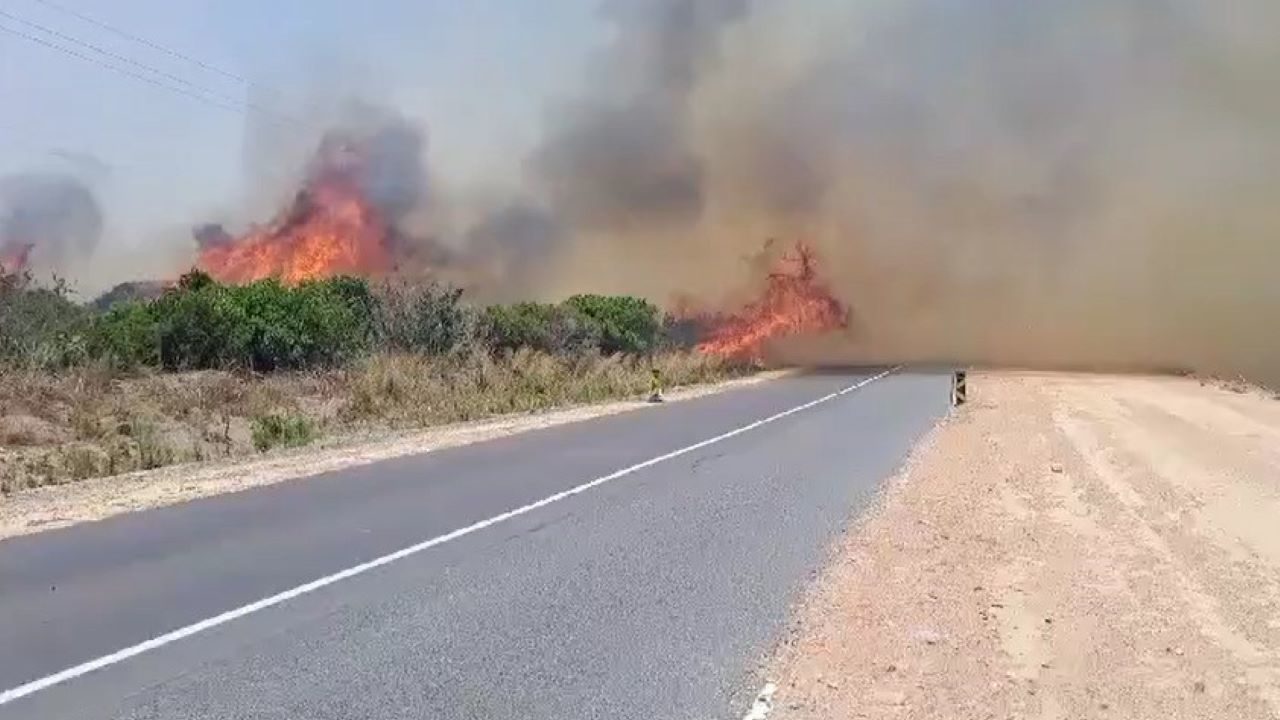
(1063, 547)
(56, 506)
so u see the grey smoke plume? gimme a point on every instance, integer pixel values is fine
(393, 169)
(47, 220)
(621, 155)
(1050, 183)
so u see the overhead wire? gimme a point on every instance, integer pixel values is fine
(123, 71)
(184, 87)
(143, 41)
(166, 49)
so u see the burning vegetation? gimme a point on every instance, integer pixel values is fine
(795, 302)
(336, 225)
(331, 228)
(13, 259)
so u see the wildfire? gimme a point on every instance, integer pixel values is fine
(14, 258)
(795, 302)
(331, 228)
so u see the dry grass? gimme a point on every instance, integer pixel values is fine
(89, 422)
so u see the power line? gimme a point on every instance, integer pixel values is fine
(198, 89)
(123, 71)
(135, 38)
(114, 56)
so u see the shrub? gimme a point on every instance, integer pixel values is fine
(152, 450)
(510, 327)
(317, 323)
(39, 326)
(426, 319)
(554, 329)
(626, 324)
(273, 431)
(200, 324)
(358, 297)
(126, 337)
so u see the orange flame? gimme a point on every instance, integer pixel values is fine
(330, 229)
(795, 302)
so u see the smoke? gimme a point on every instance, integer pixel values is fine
(508, 248)
(393, 170)
(47, 220)
(622, 156)
(1085, 183)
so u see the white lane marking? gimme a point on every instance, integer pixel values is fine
(118, 656)
(763, 705)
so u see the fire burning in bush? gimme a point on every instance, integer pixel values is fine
(339, 224)
(795, 301)
(14, 259)
(331, 228)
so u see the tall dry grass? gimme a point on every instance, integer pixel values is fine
(89, 421)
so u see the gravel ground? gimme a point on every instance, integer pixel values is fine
(1063, 547)
(56, 506)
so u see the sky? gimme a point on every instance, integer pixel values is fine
(479, 74)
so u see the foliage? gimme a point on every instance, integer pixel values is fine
(265, 325)
(126, 337)
(40, 327)
(198, 323)
(323, 322)
(390, 355)
(273, 431)
(429, 318)
(627, 324)
(543, 327)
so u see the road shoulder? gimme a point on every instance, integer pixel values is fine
(1063, 547)
(57, 506)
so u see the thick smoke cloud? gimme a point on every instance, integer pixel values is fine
(621, 156)
(1054, 183)
(47, 220)
(393, 170)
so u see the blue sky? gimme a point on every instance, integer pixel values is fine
(478, 73)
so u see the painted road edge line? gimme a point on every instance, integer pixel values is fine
(119, 656)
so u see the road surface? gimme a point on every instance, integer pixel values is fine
(634, 566)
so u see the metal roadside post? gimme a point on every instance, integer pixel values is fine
(958, 390)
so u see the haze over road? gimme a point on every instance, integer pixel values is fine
(654, 593)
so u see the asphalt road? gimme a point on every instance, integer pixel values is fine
(653, 593)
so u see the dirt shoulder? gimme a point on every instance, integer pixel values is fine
(1063, 547)
(56, 506)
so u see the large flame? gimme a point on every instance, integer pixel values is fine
(330, 229)
(795, 302)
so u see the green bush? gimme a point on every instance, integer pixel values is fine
(324, 322)
(199, 325)
(40, 326)
(264, 325)
(626, 324)
(555, 329)
(357, 296)
(126, 337)
(273, 431)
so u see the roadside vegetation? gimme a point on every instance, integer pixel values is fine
(207, 370)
